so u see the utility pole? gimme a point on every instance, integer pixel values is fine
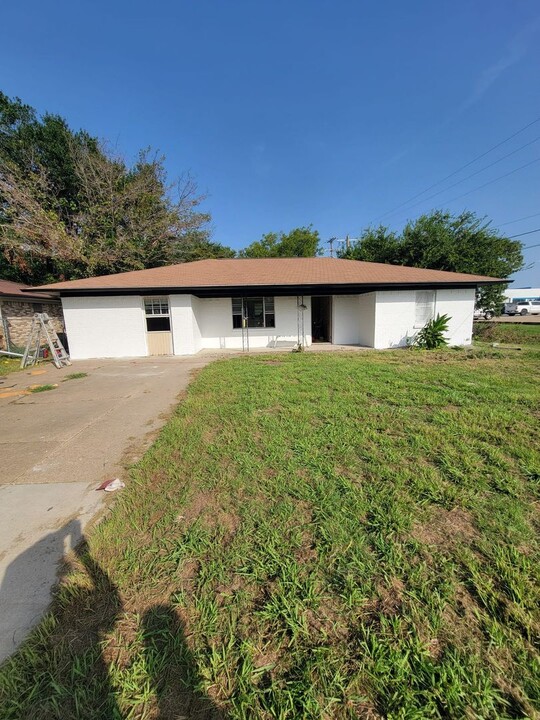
(331, 243)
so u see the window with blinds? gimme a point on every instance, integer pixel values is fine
(425, 307)
(257, 312)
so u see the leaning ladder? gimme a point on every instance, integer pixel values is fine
(42, 328)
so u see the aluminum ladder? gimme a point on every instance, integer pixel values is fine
(42, 329)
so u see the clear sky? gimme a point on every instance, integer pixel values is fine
(301, 111)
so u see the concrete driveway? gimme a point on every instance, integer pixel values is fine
(56, 447)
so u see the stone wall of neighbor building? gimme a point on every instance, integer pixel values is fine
(17, 315)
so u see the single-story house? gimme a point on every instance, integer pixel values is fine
(257, 303)
(17, 308)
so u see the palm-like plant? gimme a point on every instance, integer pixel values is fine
(431, 336)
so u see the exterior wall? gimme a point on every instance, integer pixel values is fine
(459, 305)
(529, 293)
(105, 326)
(353, 319)
(115, 326)
(345, 320)
(396, 309)
(17, 316)
(367, 309)
(184, 325)
(214, 321)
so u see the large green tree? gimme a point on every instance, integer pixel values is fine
(299, 242)
(69, 207)
(441, 241)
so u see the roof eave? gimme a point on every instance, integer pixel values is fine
(297, 289)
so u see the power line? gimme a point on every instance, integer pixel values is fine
(527, 217)
(477, 172)
(525, 233)
(479, 187)
(455, 172)
(527, 247)
(500, 177)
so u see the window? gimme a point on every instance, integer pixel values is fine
(37, 307)
(425, 307)
(257, 312)
(156, 310)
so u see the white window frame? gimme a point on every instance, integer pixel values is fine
(157, 301)
(424, 307)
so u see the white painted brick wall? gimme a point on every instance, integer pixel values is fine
(105, 326)
(115, 326)
(396, 309)
(214, 319)
(345, 320)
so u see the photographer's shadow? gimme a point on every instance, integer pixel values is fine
(172, 668)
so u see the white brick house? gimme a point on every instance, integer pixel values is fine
(237, 303)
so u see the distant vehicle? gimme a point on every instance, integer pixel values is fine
(520, 306)
(480, 313)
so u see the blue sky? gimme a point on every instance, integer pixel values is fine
(304, 111)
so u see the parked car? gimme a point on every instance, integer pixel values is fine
(522, 307)
(481, 314)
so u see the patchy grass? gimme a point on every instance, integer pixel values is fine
(9, 365)
(42, 388)
(330, 536)
(507, 333)
(75, 376)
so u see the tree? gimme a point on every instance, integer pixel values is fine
(300, 242)
(70, 207)
(441, 241)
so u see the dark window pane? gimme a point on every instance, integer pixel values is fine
(255, 312)
(259, 312)
(237, 306)
(38, 307)
(158, 324)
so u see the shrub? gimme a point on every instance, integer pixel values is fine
(431, 336)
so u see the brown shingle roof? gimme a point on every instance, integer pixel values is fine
(269, 272)
(16, 290)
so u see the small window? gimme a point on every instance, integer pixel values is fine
(157, 314)
(425, 307)
(256, 312)
(37, 307)
(156, 306)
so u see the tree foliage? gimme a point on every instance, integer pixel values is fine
(70, 207)
(300, 242)
(441, 241)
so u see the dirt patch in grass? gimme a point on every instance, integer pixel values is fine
(445, 527)
(207, 507)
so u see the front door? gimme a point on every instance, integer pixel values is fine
(158, 325)
(321, 318)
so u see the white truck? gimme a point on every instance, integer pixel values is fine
(521, 306)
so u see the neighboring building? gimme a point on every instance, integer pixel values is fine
(17, 308)
(511, 294)
(181, 309)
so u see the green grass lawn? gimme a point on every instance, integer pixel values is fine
(508, 333)
(312, 536)
(8, 365)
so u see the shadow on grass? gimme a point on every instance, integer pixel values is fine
(171, 666)
(65, 668)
